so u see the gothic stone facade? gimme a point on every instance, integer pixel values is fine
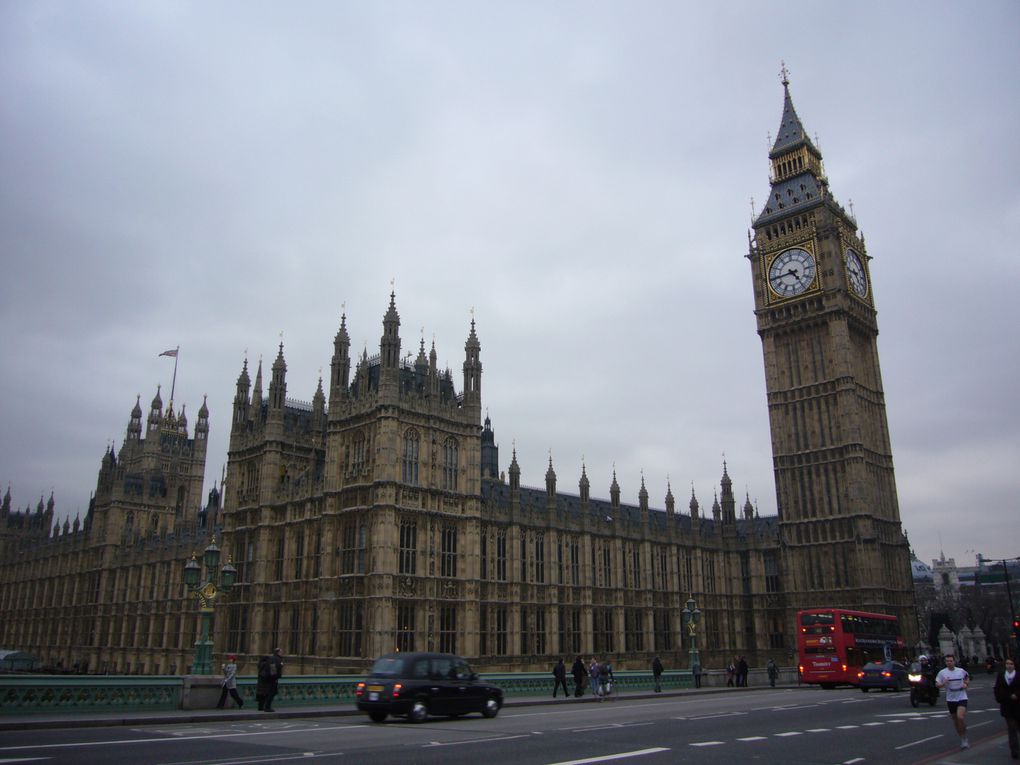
(380, 519)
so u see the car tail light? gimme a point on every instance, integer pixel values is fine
(396, 689)
(800, 669)
(359, 689)
(887, 674)
(860, 674)
(844, 668)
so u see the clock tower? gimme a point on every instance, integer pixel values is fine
(839, 519)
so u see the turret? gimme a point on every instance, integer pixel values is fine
(728, 502)
(278, 384)
(340, 366)
(472, 370)
(694, 507)
(318, 409)
(614, 492)
(256, 394)
(134, 429)
(670, 501)
(155, 415)
(550, 482)
(389, 344)
(490, 452)
(241, 396)
(202, 426)
(643, 497)
(748, 508)
(584, 486)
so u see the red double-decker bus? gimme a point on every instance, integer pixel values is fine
(834, 643)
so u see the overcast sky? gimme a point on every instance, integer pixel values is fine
(210, 175)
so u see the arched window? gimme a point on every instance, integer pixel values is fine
(450, 465)
(411, 449)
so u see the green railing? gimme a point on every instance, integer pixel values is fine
(54, 693)
(25, 694)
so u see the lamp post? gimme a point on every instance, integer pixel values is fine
(207, 591)
(692, 617)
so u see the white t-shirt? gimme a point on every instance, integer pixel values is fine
(953, 678)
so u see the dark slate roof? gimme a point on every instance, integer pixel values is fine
(791, 131)
(792, 195)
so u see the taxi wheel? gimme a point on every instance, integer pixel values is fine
(377, 716)
(419, 711)
(491, 708)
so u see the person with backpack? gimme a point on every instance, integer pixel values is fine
(594, 671)
(270, 672)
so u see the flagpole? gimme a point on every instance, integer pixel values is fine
(173, 384)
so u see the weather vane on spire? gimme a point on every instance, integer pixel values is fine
(784, 73)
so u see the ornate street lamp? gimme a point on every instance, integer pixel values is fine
(215, 583)
(692, 617)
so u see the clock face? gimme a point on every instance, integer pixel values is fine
(855, 273)
(792, 272)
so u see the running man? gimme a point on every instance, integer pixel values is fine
(955, 680)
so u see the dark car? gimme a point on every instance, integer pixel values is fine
(882, 674)
(416, 685)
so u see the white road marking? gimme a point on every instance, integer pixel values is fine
(712, 717)
(473, 741)
(919, 741)
(819, 730)
(803, 706)
(608, 757)
(851, 762)
(23, 759)
(269, 758)
(185, 738)
(708, 743)
(752, 738)
(789, 733)
(846, 727)
(872, 724)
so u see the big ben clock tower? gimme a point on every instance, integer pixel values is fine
(814, 300)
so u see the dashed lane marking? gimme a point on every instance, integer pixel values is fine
(847, 727)
(708, 743)
(919, 741)
(819, 730)
(790, 733)
(753, 738)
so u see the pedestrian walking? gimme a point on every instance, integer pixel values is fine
(657, 674)
(229, 683)
(594, 674)
(773, 671)
(579, 673)
(955, 680)
(731, 674)
(607, 678)
(1007, 693)
(560, 676)
(696, 671)
(742, 670)
(270, 672)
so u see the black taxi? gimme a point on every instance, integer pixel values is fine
(416, 685)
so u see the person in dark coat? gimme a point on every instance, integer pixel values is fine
(742, 670)
(657, 674)
(560, 676)
(579, 672)
(1007, 693)
(773, 672)
(274, 671)
(262, 683)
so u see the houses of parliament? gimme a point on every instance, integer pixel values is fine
(382, 516)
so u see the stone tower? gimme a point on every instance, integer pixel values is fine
(815, 305)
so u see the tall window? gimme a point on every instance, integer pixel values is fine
(483, 544)
(708, 573)
(448, 552)
(501, 630)
(352, 548)
(351, 627)
(360, 458)
(483, 631)
(450, 465)
(661, 568)
(524, 556)
(607, 566)
(540, 560)
(574, 547)
(532, 631)
(299, 552)
(771, 571)
(408, 547)
(501, 555)
(411, 450)
(405, 626)
(448, 629)
(602, 622)
(663, 633)
(280, 547)
(633, 629)
(570, 631)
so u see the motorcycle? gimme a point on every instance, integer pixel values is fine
(922, 686)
